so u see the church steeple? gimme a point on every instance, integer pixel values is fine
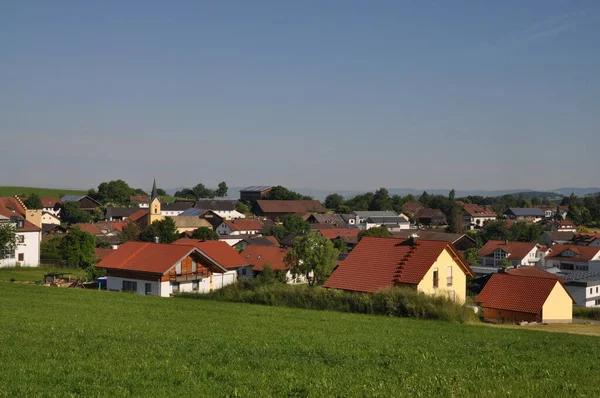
(154, 192)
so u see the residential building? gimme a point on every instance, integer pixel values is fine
(393, 224)
(514, 298)
(256, 240)
(175, 209)
(431, 217)
(260, 256)
(142, 201)
(349, 219)
(221, 253)
(50, 218)
(551, 238)
(431, 267)
(412, 207)
(190, 223)
(518, 253)
(277, 209)
(561, 225)
(477, 215)
(361, 216)
(550, 211)
(347, 235)
(532, 214)
(587, 239)
(253, 193)
(249, 226)
(460, 242)
(119, 213)
(573, 258)
(584, 288)
(223, 208)
(28, 233)
(50, 230)
(161, 270)
(85, 202)
(51, 205)
(327, 219)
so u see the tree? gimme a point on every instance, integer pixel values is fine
(379, 232)
(33, 202)
(130, 232)
(381, 200)
(293, 223)
(340, 245)
(8, 238)
(222, 190)
(456, 220)
(205, 233)
(452, 195)
(334, 201)
(103, 243)
(165, 230)
(472, 257)
(282, 193)
(312, 255)
(278, 231)
(242, 208)
(72, 214)
(117, 191)
(50, 248)
(494, 230)
(200, 191)
(504, 263)
(185, 193)
(161, 192)
(98, 214)
(536, 201)
(77, 248)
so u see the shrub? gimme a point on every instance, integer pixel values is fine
(396, 301)
(586, 313)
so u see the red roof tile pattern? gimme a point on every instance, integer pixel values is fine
(479, 211)
(586, 238)
(339, 232)
(218, 251)
(138, 214)
(515, 250)
(244, 224)
(377, 263)
(412, 207)
(140, 199)
(259, 256)
(155, 258)
(50, 202)
(28, 226)
(101, 253)
(290, 206)
(535, 272)
(90, 228)
(516, 293)
(582, 253)
(11, 205)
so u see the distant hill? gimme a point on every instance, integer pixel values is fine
(538, 194)
(41, 192)
(577, 191)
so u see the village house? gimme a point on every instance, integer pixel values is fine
(258, 240)
(223, 208)
(141, 201)
(517, 253)
(561, 225)
(260, 256)
(119, 213)
(360, 216)
(428, 266)
(327, 219)
(210, 216)
(51, 205)
(573, 258)
(190, 223)
(249, 226)
(551, 238)
(50, 230)
(392, 224)
(550, 211)
(253, 193)
(460, 242)
(349, 219)
(85, 202)
(431, 217)
(516, 298)
(221, 253)
(50, 218)
(175, 209)
(277, 209)
(161, 270)
(531, 214)
(347, 235)
(587, 239)
(412, 207)
(28, 224)
(584, 288)
(476, 216)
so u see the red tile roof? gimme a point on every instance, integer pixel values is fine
(11, 205)
(582, 253)
(479, 211)
(101, 253)
(515, 250)
(516, 293)
(90, 228)
(244, 224)
(219, 251)
(428, 213)
(138, 214)
(412, 207)
(334, 233)
(290, 206)
(155, 258)
(586, 237)
(535, 273)
(377, 263)
(140, 199)
(28, 226)
(50, 202)
(259, 256)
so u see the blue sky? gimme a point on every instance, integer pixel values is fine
(320, 94)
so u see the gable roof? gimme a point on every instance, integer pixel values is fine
(527, 212)
(429, 213)
(377, 263)
(154, 258)
(535, 272)
(190, 222)
(290, 206)
(479, 211)
(217, 205)
(120, 211)
(261, 241)
(50, 202)
(259, 256)
(582, 253)
(244, 224)
(11, 207)
(218, 251)
(432, 235)
(367, 214)
(138, 214)
(77, 198)
(412, 207)
(515, 250)
(328, 219)
(335, 233)
(140, 199)
(560, 235)
(516, 293)
(176, 206)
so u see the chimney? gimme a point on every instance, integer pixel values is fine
(156, 239)
(414, 239)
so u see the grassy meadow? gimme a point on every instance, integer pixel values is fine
(66, 342)
(41, 192)
(35, 274)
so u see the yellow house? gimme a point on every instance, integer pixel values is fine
(429, 266)
(516, 298)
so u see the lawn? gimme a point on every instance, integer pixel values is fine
(34, 274)
(65, 342)
(41, 192)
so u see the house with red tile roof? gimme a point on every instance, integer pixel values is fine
(241, 226)
(573, 258)
(412, 207)
(511, 298)
(431, 217)
(277, 209)
(51, 205)
(561, 225)
(161, 269)
(221, 253)
(535, 272)
(587, 239)
(429, 266)
(550, 211)
(26, 252)
(260, 256)
(477, 215)
(518, 253)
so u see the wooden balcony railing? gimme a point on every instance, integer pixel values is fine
(192, 276)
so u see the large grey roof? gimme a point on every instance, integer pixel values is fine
(120, 211)
(527, 212)
(72, 198)
(192, 211)
(177, 206)
(223, 205)
(365, 214)
(387, 220)
(255, 188)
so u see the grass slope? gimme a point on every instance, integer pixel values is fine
(35, 274)
(42, 192)
(62, 342)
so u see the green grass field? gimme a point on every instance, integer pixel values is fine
(34, 274)
(66, 342)
(41, 192)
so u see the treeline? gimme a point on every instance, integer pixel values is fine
(583, 211)
(501, 204)
(202, 192)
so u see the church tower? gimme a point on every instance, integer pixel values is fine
(154, 213)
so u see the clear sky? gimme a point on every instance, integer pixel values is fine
(321, 94)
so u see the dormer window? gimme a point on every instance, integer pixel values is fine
(499, 254)
(568, 253)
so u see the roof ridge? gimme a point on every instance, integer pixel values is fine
(135, 253)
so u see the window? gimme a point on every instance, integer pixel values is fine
(591, 290)
(21, 256)
(596, 290)
(195, 285)
(244, 273)
(435, 278)
(449, 276)
(129, 286)
(499, 254)
(581, 268)
(597, 302)
(148, 289)
(175, 287)
(194, 266)
(567, 266)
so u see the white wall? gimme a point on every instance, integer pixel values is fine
(229, 214)
(50, 219)
(51, 210)
(115, 284)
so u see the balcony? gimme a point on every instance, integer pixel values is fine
(193, 276)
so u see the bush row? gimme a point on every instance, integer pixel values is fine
(401, 302)
(586, 313)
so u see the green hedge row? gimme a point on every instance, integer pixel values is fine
(587, 313)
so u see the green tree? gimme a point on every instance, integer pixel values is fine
(185, 193)
(472, 257)
(71, 213)
(242, 208)
(102, 243)
(494, 230)
(381, 200)
(452, 195)
(334, 201)
(77, 248)
(536, 201)
(165, 230)
(33, 202)
(204, 233)
(278, 231)
(293, 223)
(222, 190)
(456, 219)
(200, 191)
(130, 232)
(312, 254)
(378, 232)
(282, 193)
(50, 248)
(98, 214)
(117, 191)
(504, 263)
(161, 192)
(340, 245)
(8, 238)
